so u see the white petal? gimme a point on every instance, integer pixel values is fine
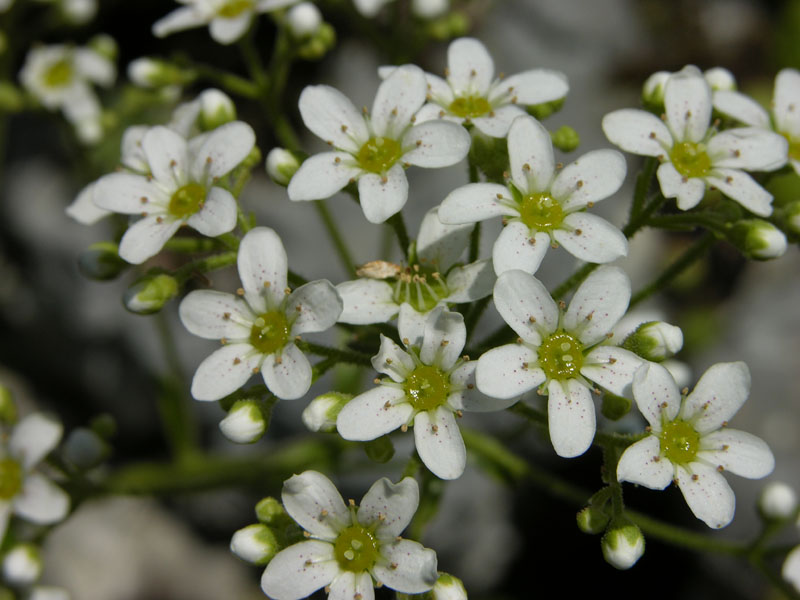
(439, 90)
(123, 193)
(331, 116)
(500, 372)
(471, 282)
(222, 150)
(393, 361)
(203, 313)
(641, 463)
(741, 107)
(653, 386)
(146, 238)
(518, 247)
(367, 416)
(315, 504)
(718, 395)
(748, 148)
(416, 567)
(218, 214)
(637, 131)
(439, 443)
(411, 325)
(598, 304)
(348, 585)
(219, 374)
(182, 18)
(41, 501)
(167, 155)
(475, 202)
(321, 176)
(593, 177)
(739, 186)
(366, 301)
(498, 121)
(707, 494)
(441, 245)
(687, 103)
(299, 570)
(598, 241)
(785, 101)
(132, 154)
(290, 377)
(688, 190)
(399, 96)
(526, 305)
(471, 69)
(389, 505)
(262, 265)
(532, 87)
(84, 210)
(382, 196)
(738, 452)
(316, 305)
(530, 152)
(94, 66)
(227, 31)
(435, 144)
(570, 416)
(612, 368)
(443, 338)
(33, 438)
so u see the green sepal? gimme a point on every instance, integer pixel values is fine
(101, 262)
(545, 109)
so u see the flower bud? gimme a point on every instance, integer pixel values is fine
(318, 44)
(565, 138)
(85, 449)
(321, 412)
(105, 45)
(101, 262)
(429, 9)
(381, 449)
(758, 239)
(592, 520)
(655, 341)
(303, 20)
(777, 501)
(79, 12)
(622, 544)
(269, 510)
(150, 293)
(446, 587)
(8, 408)
(154, 73)
(22, 565)
(255, 543)
(216, 109)
(281, 165)
(615, 407)
(451, 25)
(720, 79)
(545, 109)
(653, 90)
(245, 423)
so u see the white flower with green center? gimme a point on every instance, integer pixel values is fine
(374, 149)
(182, 187)
(784, 118)
(23, 490)
(688, 441)
(259, 326)
(227, 20)
(433, 279)
(694, 155)
(60, 77)
(471, 93)
(542, 207)
(429, 385)
(351, 548)
(561, 352)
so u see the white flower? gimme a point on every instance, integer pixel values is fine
(259, 326)
(429, 385)
(374, 150)
(59, 76)
(182, 187)
(541, 207)
(228, 20)
(559, 351)
(244, 423)
(304, 19)
(472, 94)
(433, 279)
(693, 155)
(778, 500)
(350, 548)
(689, 442)
(785, 117)
(22, 565)
(23, 490)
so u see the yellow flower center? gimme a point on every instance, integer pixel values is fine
(59, 74)
(378, 154)
(270, 332)
(690, 159)
(356, 549)
(561, 356)
(427, 387)
(679, 442)
(541, 212)
(187, 200)
(10, 478)
(469, 107)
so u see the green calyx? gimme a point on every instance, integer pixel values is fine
(234, 8)
(561, 356)
(10, 478)
(541, 212)
(59, 74)
(356, 549)
(270, 332)
(379, 154)
(469, 107)
(690, 159)
(679, 442)
(427, 387)
(187, 200)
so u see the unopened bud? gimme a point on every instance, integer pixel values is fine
(655, 341)
(101, 262)
(303, 19)
(720, 79)
(255, 543)
(105, 45)
(777, 501)
(216, 109)
(245, 423)
(318, 44)
(758, 239)
(153, 73)
(85, 449)
(615, 407)
(545, 109)
(592, 520)
(79, 12)
(429, 9)
(281, 165)
(451, 25)
(622, 544)
(322, 411)
(446, 587)
(150, 293)
(8, 408)
(381, 449)
(22, 565)
(653, 90)
(565, 138)
(269, 510)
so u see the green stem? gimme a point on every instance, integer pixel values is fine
(191, 245)
(204, 265)
(399, 226)
(643, 181)
(345, 257)
(228, 81)
(344, 356)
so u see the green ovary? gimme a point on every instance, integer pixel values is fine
(270, 332)
(469, 107)
(690, 159)
(679, 442)
(356, 549)
(10, 478)
(234, 8)
(427, 387)
(561, 356)
(379, 154)
(187, 200)
(59, 74)
(541, 212)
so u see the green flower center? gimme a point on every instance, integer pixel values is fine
(561, 356)
(379, 154)
(187, 200)
(59, 73)
(469, 107)
(421, 287)
(356, 549)
(233, 8)
(427, 387)
(10, 478)
(541, 212)
(679, 442)
(270, 332)
(690, 159)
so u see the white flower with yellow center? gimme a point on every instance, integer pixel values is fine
(259, 326)
(351, 548)
(689, 442)
(560, 352)
(182, 187)
(227, 20)
(375, 149)
(694, 155)
(542, 207)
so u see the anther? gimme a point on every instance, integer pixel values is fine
(237, 360)
(223, 341)
(729, 179)
(287, 291)
(695, 477)
(394, 111)
(526, 167)
(434, 428)
(648, 429)
(351, 502)
(173, 163)
(278, 360)
(419, 143)
(256, 370)
(470, 386)
(226, 315)
(578, 231)
(387, 405)
(611, 361)
(405, 341)
(499, 196)
(724, 423)
(323, 513)
(652, 135)
(404, 428)
(444, 343)
(579, 184)
(532, 319)
(384, 180)
(159, 219)
(736, 153)
(376, 381)
(725, 447)
(240, 292)
(143, 199)
(388, 361)
(337, 160)
(344, 128)
(720, 468)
